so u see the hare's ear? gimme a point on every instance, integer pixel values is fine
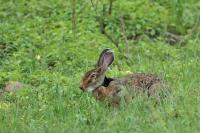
(106, 58)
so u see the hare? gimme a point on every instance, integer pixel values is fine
(114, 90)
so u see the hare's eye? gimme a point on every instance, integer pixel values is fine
(93, 75)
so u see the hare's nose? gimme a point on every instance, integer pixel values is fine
(81, 87)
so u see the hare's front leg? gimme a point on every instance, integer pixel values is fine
(101, 93)
(108, 94)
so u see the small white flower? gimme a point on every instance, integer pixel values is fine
(38, 57)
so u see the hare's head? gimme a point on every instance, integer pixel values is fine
(95, 77)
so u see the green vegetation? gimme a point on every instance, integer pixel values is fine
(49, 44)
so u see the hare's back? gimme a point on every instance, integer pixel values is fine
(139, 80)
(143, 80)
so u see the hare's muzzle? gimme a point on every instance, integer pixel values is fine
(81, 87)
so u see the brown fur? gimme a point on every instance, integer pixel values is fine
(123, 87)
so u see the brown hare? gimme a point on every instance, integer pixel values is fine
(114, 90)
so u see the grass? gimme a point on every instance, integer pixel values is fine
(37, 47)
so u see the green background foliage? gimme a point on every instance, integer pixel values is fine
(42, 45)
